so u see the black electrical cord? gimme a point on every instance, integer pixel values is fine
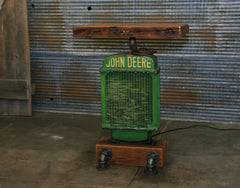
(194, 126)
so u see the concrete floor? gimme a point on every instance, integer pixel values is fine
(58, 150)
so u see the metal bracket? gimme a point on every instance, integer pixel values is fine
(136, 51)
(105, 154)
(152, 159)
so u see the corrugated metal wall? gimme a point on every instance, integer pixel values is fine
(200, 73)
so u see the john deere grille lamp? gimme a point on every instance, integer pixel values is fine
(130, 93)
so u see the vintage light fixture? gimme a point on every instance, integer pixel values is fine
(130, 94)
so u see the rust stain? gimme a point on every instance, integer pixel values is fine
(88, 90)
(79, 90)
(75, 87)
(80, 94)
(50, 25)
(139, 17)
(179, 96)
(209, 38)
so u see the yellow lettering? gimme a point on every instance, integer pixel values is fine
(112, 62)
(143, 62)
(134, 62)
(108, 65)
(117, 61)
(129, 62)
(139, 62)
(148, 65)
(122, 60)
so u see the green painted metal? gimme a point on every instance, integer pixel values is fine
(130, 96)
(130, 135)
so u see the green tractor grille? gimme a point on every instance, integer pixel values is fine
(129, 99)
(130, 96)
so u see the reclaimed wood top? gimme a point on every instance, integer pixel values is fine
(127, 30)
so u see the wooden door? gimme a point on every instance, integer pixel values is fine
(15, 77)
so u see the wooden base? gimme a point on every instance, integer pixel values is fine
(132, 154)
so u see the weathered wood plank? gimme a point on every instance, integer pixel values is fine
(137, 30)
(9, 32)
(8, 43)
(23, 52)
(9, 26)
(132, 155)
(14, 89)
(2, 49)
(16, 54)
(3, 103)
(22, 44)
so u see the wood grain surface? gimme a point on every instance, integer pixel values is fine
(14, 89)
(127, 30)
(15, 69)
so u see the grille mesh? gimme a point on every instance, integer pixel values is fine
(129, 99)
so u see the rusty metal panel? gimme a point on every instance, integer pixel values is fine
(200, 73)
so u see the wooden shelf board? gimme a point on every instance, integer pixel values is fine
(127, 30)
